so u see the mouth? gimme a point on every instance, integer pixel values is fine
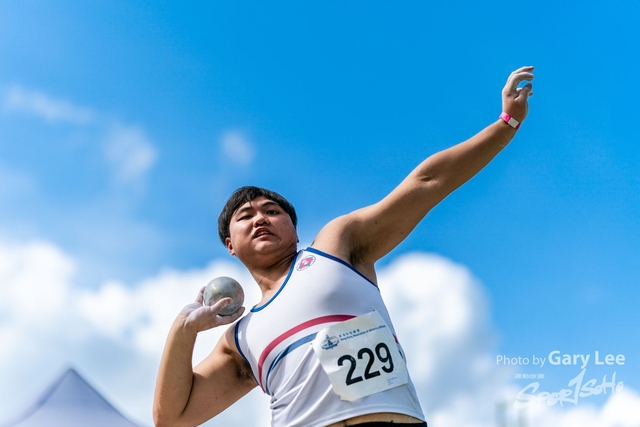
(261, 232)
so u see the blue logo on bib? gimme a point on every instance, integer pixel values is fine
(329, 342)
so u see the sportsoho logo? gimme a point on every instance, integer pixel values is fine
(578, 387)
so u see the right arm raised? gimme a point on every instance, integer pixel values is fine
(187, 396)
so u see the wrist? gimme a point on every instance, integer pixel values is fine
(185, 326)
(510, 120)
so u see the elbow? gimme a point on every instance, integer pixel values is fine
(429, 177)
(158, 419)
(426, 179)
(432, 184)
(162, 420)
(432, 189)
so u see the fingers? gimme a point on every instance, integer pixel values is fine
(200, 297)
(220, 320)
(527, 68)
(225, 320)
(525, 91)
(519, 75)
(515, 79)
(220, 305)
(200, 317)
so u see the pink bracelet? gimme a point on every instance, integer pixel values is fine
(510, 120)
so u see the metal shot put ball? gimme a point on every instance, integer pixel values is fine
(224, 287)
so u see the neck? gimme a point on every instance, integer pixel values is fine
(271, 276)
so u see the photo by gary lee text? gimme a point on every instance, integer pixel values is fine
(555, 357)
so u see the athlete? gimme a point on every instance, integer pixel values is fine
(321, 318)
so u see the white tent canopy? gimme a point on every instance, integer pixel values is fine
(70, 401)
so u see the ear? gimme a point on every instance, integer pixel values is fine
(229, 246)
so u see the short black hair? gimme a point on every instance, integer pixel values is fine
(246, 194)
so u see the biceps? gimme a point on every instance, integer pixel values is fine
(218, 382)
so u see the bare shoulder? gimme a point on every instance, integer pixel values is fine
(367, 234)
(337, 239)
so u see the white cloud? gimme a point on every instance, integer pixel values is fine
(35, 291)
(35, 281)
(115, 333)
(441, 314)
(141, 315)
(131, 154)
(17, 98)
(237, 148)
(620, 410)
(127, 148)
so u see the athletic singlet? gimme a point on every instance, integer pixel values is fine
(275, 339)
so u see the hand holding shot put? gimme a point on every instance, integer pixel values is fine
(217, 304)
(289, 343)
(224, 287)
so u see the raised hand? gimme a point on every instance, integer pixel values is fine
(515, 100)
(200, 317)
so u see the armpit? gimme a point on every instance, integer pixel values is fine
(243, 370)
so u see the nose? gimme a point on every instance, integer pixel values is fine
(260, 219)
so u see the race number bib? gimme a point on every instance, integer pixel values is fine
(360, 356)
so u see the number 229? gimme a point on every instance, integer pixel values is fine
(368, 374)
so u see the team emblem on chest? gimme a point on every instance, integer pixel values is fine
(306, 262)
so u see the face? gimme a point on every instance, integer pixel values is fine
(261, 228)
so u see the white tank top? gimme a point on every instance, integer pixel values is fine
(275, 339)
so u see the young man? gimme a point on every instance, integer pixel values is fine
(320, 341)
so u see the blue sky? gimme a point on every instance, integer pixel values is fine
(125, 125)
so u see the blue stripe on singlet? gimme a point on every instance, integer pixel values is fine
(284, 352)
(240, 350)
(341, 261)
(286, 280)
